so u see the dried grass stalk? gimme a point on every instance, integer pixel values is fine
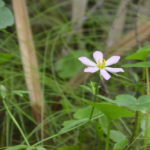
(117, 27)
(143, 11)
(78, 12)
(128, 42)
(28, 57)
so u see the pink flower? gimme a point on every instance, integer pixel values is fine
(101, 64)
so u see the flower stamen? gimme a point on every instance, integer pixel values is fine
(101, 65)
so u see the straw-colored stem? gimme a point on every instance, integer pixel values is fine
(78, 12)
(29, 59)
(116, 29)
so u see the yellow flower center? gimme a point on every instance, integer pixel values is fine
(101, 65)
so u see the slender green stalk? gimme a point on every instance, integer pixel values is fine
(108, 136)
(101, 139)
(147, 81)
(137, 127)
(147, 113)
(94, 100)
(16, 123)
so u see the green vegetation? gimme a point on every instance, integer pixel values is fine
(80, 113)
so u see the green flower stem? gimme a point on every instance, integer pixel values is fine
(147, 113)
(94, 100)
(137, 127)
(108, 136)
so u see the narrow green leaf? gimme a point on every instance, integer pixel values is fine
(17, 147)
(72, 124)
(141, 54)
(106, 98)
(139, 64)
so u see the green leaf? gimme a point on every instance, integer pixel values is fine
(71, 147)
(70, 65)
(136, 76)
(2, 4)
(117, 136)
(139, 64)
(17, 147)
(20, 93)
(73, 124)
(143, 103)
(6, 17)
(112, 111)
(87, 88)
(85, 112)
(141, 54)
(127, 101)
(103, 121)
(106, 98)
(120, 145)
(41, 148)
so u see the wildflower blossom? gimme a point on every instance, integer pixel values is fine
(101, 64)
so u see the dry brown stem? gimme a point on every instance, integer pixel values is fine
(143, 11)
(129, 41)
(28, 57)
(118, 24)
(78, 12)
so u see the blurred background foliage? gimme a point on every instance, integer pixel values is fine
(63, 30)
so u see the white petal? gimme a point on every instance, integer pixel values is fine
(86, 61)
(114, 70)
(91, 69)
(97, 55)
(112, 60)
(105, 74)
